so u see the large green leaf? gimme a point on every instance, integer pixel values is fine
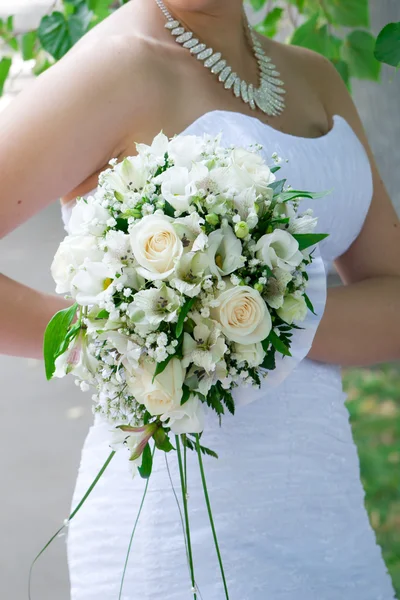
(306, 240)
(54, 34)
(58, 34)
(5, 66)
(28, 45)
(351, 13)
(257, 4)
(343, 68)
(318, 38)
(358, 52)
(55, 334)
(270, 25)
(387, 49)
(147, 463)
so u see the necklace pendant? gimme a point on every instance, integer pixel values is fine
(268, 96)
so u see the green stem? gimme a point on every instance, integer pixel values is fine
(133, 533)
(71, 516)
(203, 479)
(185, 507)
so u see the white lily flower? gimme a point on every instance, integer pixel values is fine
(185, 150)
(90, 284)
(207, 346)
(189, 273)
(151, 307)
(275, 289)
(77, 360)
(224, 252)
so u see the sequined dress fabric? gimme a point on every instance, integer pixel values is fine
(286, 491)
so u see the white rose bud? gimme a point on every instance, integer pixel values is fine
(241, 229)
(293, 309)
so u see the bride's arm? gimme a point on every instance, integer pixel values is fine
(63, 128)
(361, 323)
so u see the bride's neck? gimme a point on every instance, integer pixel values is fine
(220, 24)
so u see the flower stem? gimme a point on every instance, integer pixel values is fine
(71, 516)
(203, 479)
(133, 533)
(185, 507)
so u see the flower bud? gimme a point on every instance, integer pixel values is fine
(259, 287)
(241, 229)
(212, 219)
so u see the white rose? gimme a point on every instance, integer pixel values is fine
(243, 315)
(188, 418)
(279, 249)
(253, 164)
(224, 252)
(293, 309)
(165, 393)
(253, 354)
(71, 254)
(156, 246)
(89, 285)
(186, 150)
(88, 216)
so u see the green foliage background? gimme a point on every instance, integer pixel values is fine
(338, 29)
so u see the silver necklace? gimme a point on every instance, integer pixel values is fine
(268, 96)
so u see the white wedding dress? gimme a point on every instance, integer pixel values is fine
(286, 492)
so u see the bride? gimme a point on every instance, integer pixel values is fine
(286, 490)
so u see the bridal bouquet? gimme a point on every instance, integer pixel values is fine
(188, 268)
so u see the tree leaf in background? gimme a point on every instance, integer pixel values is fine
(54, 34)
(358, 52)
(350, 13)
(343, 68)
(28, 44)
(311, 35)
(257, 4)
(387, 49)
(10, 23)
(270, 25)
(5, 66)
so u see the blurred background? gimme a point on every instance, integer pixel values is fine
(43, 425)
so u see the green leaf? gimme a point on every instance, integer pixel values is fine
(182, 316)
(277, 186)
(147, 463)
(293, 194)
(350, 13)
(54, 34)
(343, 69)
(208, 452)
(28, 44)
(318, 38)
(257, 4)
(229, 402)
(185, 394)
(278, 344)
(269, 26)
(269, 360)
(122, 224)
(10, 23)
(162, 366)
(5, 66)
(358, 52)
(387, 49)
(54, 336)
(103, 314)
(309, 304)
(309, 239)
(168, 209)
(162, 440)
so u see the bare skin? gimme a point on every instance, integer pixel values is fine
(124, 82)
